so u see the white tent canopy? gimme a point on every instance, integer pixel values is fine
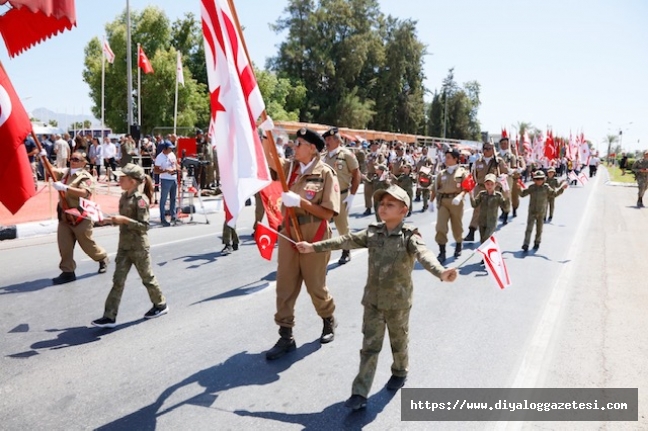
(44, 129)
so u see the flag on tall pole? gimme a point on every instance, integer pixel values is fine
(15, 170)
(236, 104)
(179, 74)
(143, 61)
(109, 55)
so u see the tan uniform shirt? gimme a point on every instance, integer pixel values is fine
(481, 168)
(450, 183)
(344, 162)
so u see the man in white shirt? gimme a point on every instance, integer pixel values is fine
(62, 150)
(593, 164)
(109, 151)
(166, 165)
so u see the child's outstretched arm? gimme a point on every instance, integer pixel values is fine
(305, 247)
(449, 275)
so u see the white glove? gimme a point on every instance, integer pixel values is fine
(457, 200)
(59, 186)
(290, 199)
(348, 201)
(42, 153)
(431, 207)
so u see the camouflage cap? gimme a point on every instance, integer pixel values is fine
(381, 167)
(394, 191)
(551, 169)
(538, 175)
(132, 170)
(490, 177)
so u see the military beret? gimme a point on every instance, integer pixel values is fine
(330, 132)
(538, 175)
(490, 177)
(454, 153)
(395, 191)
(505, 138)
(311, 137)
(131, 170)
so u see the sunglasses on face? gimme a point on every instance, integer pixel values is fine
(300, 143)
(76, 159)
(488, 148)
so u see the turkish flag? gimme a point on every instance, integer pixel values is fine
(143, 61)
(266, 239)
(468, 183)
(15, 170)
(271, 198)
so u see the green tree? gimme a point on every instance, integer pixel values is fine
(282, 99)
(152, 29)
(53, 123)
(610, 140)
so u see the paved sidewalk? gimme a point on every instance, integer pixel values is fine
(38, 215)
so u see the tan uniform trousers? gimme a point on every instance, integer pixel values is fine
(259, 210)
(474, 221)
(368, 194)
(68, 236)
(449, 213)
(342, 219)
(295, 268)
(515, 195)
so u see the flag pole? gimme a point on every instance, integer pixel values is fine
(273, 148)
(103, 85)
(175, 109)
(139, 89)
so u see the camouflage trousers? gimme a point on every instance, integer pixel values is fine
(123, 262)
(486, 230)
(643, 185)
(230, 236)
(538, 220)
(425, 194)
(551, 203)
(373, 331)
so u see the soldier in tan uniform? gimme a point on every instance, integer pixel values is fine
(75, 183)
(134, 248)
(487, 163)
(374, 158)
(399, 161)
(515, 191)
(387, 298)
(425, 161)
(448, 187)
(346, 166)
(511, 163)
(315, 196)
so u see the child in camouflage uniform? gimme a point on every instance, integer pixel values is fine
(555, 184)
(540, 193)
(380, 182)
(133, 248)
(488, 201)
(393, 249)
(406, 181)
(425, 180)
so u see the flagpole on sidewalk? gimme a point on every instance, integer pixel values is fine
(175, 109)
(139, 88)
(103, 84)
(273, 148)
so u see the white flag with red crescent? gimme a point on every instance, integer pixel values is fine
(494, 262)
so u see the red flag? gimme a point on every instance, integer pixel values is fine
(468, 183)
(15, 170)
(236, 104)
(549, 148)
(271, 198)
(521, 184)
(495, 262)
(504, 133)
(30, 22)
(108, 53)
(143, 61)
(266, 240)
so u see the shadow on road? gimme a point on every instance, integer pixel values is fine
(242, 369)
(36, 285)
(333, 417)
(246, 289)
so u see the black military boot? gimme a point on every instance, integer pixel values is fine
(514, 212)
(504, 218)
(328, 331)
(640, 203)
(441, 257)
(367, 212)
(346, 256)
(471, 234)
(103, 265)
(285, 344)
(65, 277)
(457, 252)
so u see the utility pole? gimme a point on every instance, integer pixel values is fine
(445, 111)
(129, 66)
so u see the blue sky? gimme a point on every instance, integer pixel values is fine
(565, 63)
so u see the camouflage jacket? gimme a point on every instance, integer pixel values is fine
(134, 234)
(488, 206)
(391, 262)
(539, 197)
(556, 185)
(638, 165)
(405, 182)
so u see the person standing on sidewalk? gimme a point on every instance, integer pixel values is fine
(166, 165)
(640, 169)
(346, 166)
(133, 247)
(75, 183)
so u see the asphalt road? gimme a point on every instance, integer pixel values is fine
(574, 317)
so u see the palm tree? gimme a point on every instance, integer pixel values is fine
(610, 139)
